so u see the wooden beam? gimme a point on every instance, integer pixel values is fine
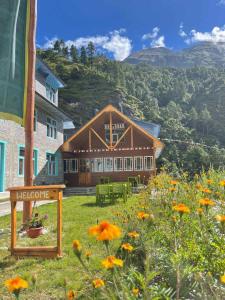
(98, 136)
(123, 135)
(110, 128)
(29, 121)
(59, 225)
(13, 226)
(90, 139)
(132, 137)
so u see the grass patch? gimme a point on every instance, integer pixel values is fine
(79, 213)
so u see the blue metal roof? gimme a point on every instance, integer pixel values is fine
(149, 127)
(51, 79)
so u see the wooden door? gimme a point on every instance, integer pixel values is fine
(85, 172)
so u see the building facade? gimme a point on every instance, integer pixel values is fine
(48, 137)
(111, 145)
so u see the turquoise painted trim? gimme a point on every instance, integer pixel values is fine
(36, 163)
(56, 154)
(2, 178)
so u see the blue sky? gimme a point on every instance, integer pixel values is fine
(119, 27)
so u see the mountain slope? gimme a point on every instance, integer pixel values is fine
(199, 55)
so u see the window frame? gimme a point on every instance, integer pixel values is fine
(51, 126)
(76, 165)
(135, 163)
(49, 166)
(112, 168)
(34, 160)
(151, 163)
(95, 163)
(115, 167)
(132, 164)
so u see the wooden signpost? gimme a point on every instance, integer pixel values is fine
(28, 194)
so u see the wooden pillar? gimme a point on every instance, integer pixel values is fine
(110, 128)
(29, 119)
(132, 136)
(90, 140)
(13, 226)
(59, 225)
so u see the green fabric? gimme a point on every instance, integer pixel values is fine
(13, 19)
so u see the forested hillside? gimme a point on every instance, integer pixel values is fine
(189, 104)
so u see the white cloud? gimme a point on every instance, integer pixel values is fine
(221, 2)
(151, 35)
(182, 33)
(115, 42)
(217, 35)
(156, 41)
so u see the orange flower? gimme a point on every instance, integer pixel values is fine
(220, 218)
(71, 295)
(172, 189)
(135, 291)
(209, 181)
(133, 234)
(111, 261)
(206, 202)
(88, 254)
(127, 247)
(174, 182)
(76, 245)
(181, 208)
(105, 231)
(98, 283)
(198, 186)
(14, 285)
(207, 191)
(142, 215)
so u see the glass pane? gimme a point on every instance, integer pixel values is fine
(22, 152)
(21, 166)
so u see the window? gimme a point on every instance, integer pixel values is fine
(98, 165)
(50, 93)
(51, 128)
(84, 165)
(138, 163)
(115, 138)
(148, 163)
(35, 119)
(108, 164)
(21, 161)
(52, 164)
(128, 163)
(118, 164)
(73, 168)
(66, 165)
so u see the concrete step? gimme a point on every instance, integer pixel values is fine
(80, 191)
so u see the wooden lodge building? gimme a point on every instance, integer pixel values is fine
(111, 145)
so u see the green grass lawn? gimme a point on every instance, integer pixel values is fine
(79, 213)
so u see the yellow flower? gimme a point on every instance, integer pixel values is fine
(77, 245)
(88, 254)
(200, 211)
(198, 186)
(135, 291)
(209, 181)
(207, 191)
(14, 285)
(222, 183)
(220, 218)
(133, 234)
(111, 261)
(172, 189)
(98, 283)
(127, 247)
(181, 208)
(206, 202)
(142, 215)
(174, 182)
(105, 231)
(222, 278)
(71, 295)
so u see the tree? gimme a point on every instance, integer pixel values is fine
(65, 51)
(74, 54)
(83, 55)
(90, 52)
(56, 46)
